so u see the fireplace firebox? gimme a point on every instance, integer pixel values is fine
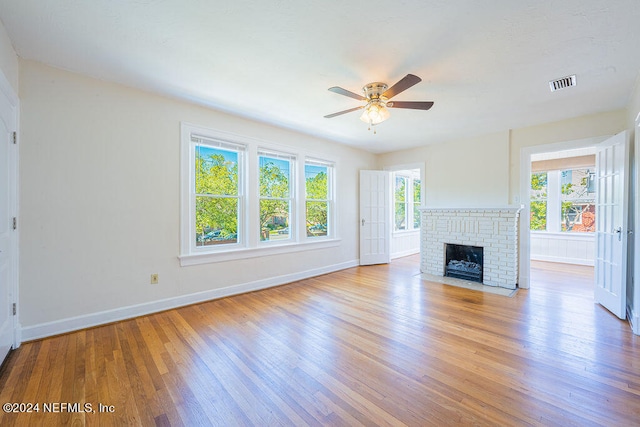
(464, 262)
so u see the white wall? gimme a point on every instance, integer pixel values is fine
(405, 243)
(570, 248)
(100, 201)
(472, 172)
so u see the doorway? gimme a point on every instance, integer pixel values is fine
(407, 196)
(527, 155)
(562, 214)
(612, 154)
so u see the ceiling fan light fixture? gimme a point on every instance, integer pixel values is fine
(374, 113)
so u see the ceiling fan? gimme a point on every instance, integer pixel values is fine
(377, 96)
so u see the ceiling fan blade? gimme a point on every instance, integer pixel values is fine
(415, 105)
(339, 113)
(405, 83)
(345, 92)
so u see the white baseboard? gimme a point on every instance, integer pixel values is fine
(563, 260)
(405, 253)
(70, 324)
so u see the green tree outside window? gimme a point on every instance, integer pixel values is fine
(217, 196)
(275, 198)
(400, 197)
(538, 203)
(317, 200)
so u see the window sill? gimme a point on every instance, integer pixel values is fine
(245, 253)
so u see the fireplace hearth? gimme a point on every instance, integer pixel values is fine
(464, 262)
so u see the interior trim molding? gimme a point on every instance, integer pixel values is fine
(71, 324)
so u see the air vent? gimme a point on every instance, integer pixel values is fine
(557, 84)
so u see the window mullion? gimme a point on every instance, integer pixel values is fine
(554, 201)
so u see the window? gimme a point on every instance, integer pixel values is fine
(407, 198)
(276, 195)
(318, 197)
(217, 193)
(538, 212)
(232, 211)
(563, 201)
(401, 201)
(578, 200)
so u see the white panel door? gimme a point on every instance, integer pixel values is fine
(8, 246)
(375, 217)
(611, 224)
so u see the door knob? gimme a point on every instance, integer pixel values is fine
(363, 222)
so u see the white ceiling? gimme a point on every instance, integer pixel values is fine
(485, 64)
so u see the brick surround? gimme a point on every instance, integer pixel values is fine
(494, 229)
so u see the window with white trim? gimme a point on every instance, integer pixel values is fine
(417, 201)
(276, 195)
(563, 200)
(407, 198)
(578, 200)
(318, 177)
(242, 198)
(217, 195)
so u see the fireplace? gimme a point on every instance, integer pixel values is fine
(495, 230)
(464, 262)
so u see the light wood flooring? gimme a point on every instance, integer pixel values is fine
(364, 346)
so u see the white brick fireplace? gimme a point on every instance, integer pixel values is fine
(493, 229)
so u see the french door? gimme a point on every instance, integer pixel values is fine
(612, 159)
(375, 217)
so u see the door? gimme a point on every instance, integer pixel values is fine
(611, 224)
(8, 245)
(375, 217)
(8, 207)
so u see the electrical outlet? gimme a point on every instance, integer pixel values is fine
(154, 278)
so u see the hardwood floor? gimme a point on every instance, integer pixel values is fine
(364, 346)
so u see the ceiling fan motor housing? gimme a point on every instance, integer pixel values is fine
(374, 90)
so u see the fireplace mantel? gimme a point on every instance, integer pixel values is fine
(493, 228)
